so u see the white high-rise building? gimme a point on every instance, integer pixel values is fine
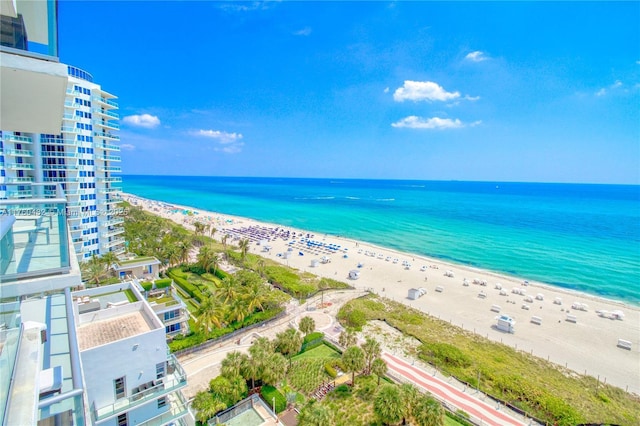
(81, 157)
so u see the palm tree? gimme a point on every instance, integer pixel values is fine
(254, 296)
(93, 270)
(206, 257)
(109, 259)
(379, 368)
(227, 290)
(410, 395)
(237, 312)
(428, 412)
(184, 247)
(244, 247)
(212, 230)
(261, 345)
(353, 360)
(223, 240)
(289, 342)
(347, 338)
(371, 349)
(315, 414)
(211, 313)
(232, 364)
(198, 228)
(206, 406)
(274, 369)
(389, 405)
(307, 325)
(250, 369)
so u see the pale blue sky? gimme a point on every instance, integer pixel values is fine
(546, 92)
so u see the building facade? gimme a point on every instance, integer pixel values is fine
(82, 157)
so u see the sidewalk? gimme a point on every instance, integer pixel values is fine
(483, 412)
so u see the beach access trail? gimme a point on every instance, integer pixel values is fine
(586, 344)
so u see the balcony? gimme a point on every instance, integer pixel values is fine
(19, 139)
(106, 135)
(26, 193)
(106, 113)
(114, 242)
(106, 146)
(110, 179)
(112, 201)
(110, 190)
(113, 169)
(59, 154)
(33, 233)
(59, 167)
(67, 129)
(114, 222)
(105, 101)
(175, 379)
(18, 152)
(107, 124)
(18, 166)
(112, 233)
(178, 408)
(19, 180)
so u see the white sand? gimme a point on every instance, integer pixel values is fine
(588, 345)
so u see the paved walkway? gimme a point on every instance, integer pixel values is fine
(444, 391)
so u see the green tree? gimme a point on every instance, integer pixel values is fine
(288, 342)
(228, 289)
(274, 369)
(206, 406)
(428, 412)
(206, 257)
(388, 405)
(244, 248)
(93, 270)
(184, 247)
(353, 360)
(231, 365)
(198, 228)
(371, 349)
(212, 230)
(228, 390)
(315, 414)
(254, 296)
(250, 369)
(211, 314)
(307, 325)
(237, 311)
(379, 368)
(347, 338)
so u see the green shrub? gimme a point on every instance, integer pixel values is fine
(342, 391)
(356, 319)
(197, 269)
(183, 283)
(147, 286)
(163, 283)
(328, 367)
(221, 274)
(269, 392)
(444, 354)
(313, 336)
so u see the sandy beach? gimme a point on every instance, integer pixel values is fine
(572, 329)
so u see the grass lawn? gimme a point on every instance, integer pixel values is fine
(130, 296)
(537, 386)
(322, 351)
(448, 421)
(307, 374)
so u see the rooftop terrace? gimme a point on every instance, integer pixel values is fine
(101, 332)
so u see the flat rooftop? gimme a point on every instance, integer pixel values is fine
(109, 330)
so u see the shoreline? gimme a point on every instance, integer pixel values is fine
(472, 269)
(556, 339)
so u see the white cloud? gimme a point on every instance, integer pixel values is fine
(604, 90)
(127, 147)
(476, 56)
(414, 122)
(386, 90)
(303, 32)
(423, 91)
(142, 120)
(228, 142)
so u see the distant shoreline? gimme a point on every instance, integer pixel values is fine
(561, 341)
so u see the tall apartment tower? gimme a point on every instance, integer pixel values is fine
(57, 127)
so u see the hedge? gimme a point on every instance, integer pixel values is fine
(268, 393)
(146, 285)
(328, 367)
(186, 286)
(163, 283)
(221, 274)
(312, 336)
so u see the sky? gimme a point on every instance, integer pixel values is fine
(530, 92)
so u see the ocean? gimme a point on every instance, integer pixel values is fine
(575, 236)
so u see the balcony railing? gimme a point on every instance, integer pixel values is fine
(19, 179)
(112, 233)
(107, 146)
(106, 135)
(110, 179)
(106, 113)
(114, 242)
(110, 158)
(108, 124)
(113, 169)
(114, 222)
(19, 152)
(174, 380)
(19, 166)
(105, 101)
(59, 154)
(21, 139)
(178, 408)
(33, 233)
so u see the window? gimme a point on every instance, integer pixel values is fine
(122, 420)
(118, 384)
(160, 370)
(162, 402)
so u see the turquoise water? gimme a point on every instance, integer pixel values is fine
(581, 237)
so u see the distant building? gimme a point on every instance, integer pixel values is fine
(146, 268)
